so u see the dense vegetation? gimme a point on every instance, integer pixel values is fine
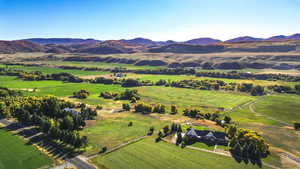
(50, 115)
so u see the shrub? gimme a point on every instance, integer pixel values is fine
(297, 126)
(126, 106)
(143, 108)
(159, 108)
(174, 109)
(82, 94)
(108, 95)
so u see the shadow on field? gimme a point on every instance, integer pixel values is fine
(34, 136)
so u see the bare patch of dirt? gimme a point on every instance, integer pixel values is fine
(288, 163)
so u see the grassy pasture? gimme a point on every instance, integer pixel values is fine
(147, 154)
(58, 88)
(284, 107)
(276, 134)
(15, 154)
(112, 129)
(49, 70)
(192, 98)
(156, 78)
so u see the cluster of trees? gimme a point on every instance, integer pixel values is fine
(81, 94)
(247, 145)
(193, 84)
(5, 92)
(144, 108)
(36, 76)
(51, 115)
(250, 88)
(240, 75)
(166, 130)
(195, 113)
(128, 94)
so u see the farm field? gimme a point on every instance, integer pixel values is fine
(164, 155)
(58, 88)
(155, 78)
(15, 154)
(284, 107)
(103, 65)
(269, 124)
(193, 98)
(50, 70)
(112, 129)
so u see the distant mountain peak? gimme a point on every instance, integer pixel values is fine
(244, 39)
(203, 41)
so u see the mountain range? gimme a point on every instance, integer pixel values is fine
(149, 42)
(279, 43)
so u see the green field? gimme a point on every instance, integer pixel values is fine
(100, 65)
(50, 70)
(15, 154)
(193, 98)
(147, 154)
(276, 134)
(112, 130)
(285, 107)
(58, 88)
(155, 78)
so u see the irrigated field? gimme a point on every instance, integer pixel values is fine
(49, 70)
(147, 154)
(58, 88)
(15, 154)
(193, 98)
(284, 107)
(112, 129)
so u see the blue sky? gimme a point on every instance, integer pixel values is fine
(155, 19)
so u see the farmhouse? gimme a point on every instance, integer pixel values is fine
(207, 136)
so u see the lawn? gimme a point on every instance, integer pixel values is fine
(112, 129)
(50, 70)
(147, 154)
(15, 154)
(284, 107)
(192, 98)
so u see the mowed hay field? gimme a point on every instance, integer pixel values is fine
(15, 154)
(112, 129)
(147, 154)
(193, 98)
(285, 107)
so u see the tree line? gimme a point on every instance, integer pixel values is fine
(207, 84)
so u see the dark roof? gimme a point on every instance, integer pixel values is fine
(206, 133)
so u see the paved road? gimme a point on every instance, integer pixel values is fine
(80, 163)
